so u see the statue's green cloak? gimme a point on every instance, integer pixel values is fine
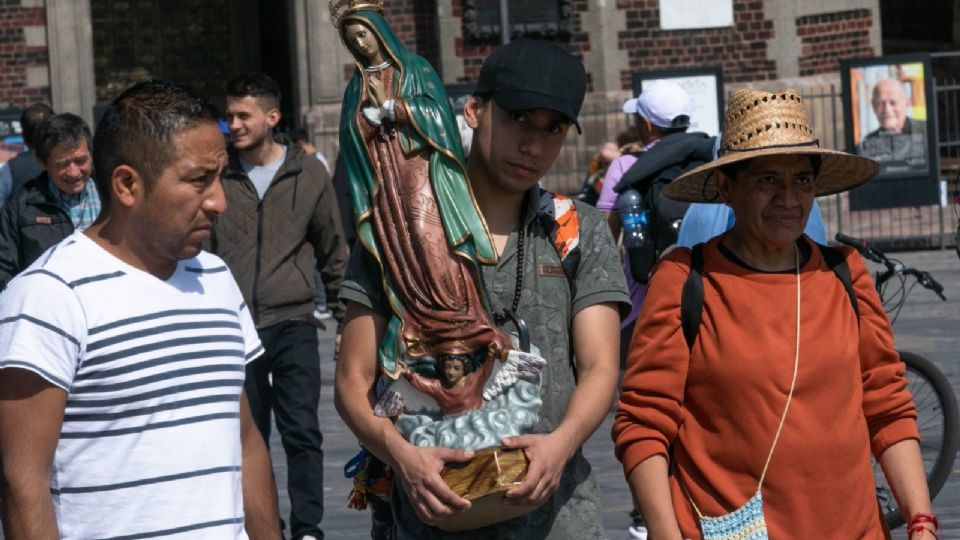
(433, 125)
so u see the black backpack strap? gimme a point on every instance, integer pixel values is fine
(691, 300)
(838, 264)
(561, 219)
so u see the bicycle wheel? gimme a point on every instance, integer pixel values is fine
(937, 421)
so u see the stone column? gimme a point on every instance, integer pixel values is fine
(602, 21)
(300, 22)
(328, 56)
(70, 44)
(322, 70)
(449, 29)
(785, 46)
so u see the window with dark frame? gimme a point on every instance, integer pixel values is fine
(530, 18)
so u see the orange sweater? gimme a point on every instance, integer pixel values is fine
(719, 404)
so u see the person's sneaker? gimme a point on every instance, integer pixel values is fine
(637, 530)
(321, 314)
(309, 537)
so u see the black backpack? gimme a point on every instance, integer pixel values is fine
(654, 170)
(691, 299)
(664, 215)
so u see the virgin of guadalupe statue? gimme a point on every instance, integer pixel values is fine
(414, 208)
(455, 379)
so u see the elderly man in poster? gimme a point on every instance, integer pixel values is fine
(900, 140)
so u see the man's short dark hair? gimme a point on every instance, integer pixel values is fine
(31, 119)
(65, 130)
(260, 86)
(299, 135)
(680, 124)
(138, 129)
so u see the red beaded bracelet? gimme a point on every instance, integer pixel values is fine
(919, 519)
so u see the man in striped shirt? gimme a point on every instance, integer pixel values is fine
(123, 348)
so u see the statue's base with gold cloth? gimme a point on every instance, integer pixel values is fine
(511, 403)
(484, 480)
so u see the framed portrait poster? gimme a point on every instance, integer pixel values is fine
(890, 113)
(703, 85)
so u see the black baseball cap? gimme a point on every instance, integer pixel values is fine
(533, 74)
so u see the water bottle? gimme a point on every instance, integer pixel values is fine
(634, 219)
(637, 242)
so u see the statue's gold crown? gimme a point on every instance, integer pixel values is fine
(341, 8)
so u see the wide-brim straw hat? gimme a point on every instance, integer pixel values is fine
(762, 123)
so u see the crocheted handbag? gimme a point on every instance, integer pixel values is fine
(744, 523)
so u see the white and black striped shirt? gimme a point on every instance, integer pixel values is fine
(153, 370)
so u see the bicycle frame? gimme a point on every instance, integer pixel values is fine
(944, 405)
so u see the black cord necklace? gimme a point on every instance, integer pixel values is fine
(503, 317)
(523, 334)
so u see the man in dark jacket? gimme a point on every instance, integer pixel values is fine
(281, 224)
(49, 207)
(24, 166)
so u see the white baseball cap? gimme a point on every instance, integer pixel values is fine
(661, 102)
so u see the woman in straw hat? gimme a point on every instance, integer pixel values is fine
(768, 418)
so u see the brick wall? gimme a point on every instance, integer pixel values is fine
(415, 23)
(740, 49)
(470, 50)
(23, 75)
(828, 37)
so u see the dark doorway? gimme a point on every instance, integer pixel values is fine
(277, 55)
(918, 26)
(198, 43)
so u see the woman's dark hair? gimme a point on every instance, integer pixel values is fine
(627, 136)
(298, 135)
(31, 119)
(65, 130)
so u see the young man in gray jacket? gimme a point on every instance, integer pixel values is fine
(281, 224)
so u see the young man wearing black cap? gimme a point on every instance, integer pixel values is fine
(528, 95)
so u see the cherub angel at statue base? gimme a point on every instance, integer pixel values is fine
(460, 390)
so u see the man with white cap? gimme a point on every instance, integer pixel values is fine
(663, 111)
(661, 108)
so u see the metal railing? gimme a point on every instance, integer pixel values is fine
(890, 228)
